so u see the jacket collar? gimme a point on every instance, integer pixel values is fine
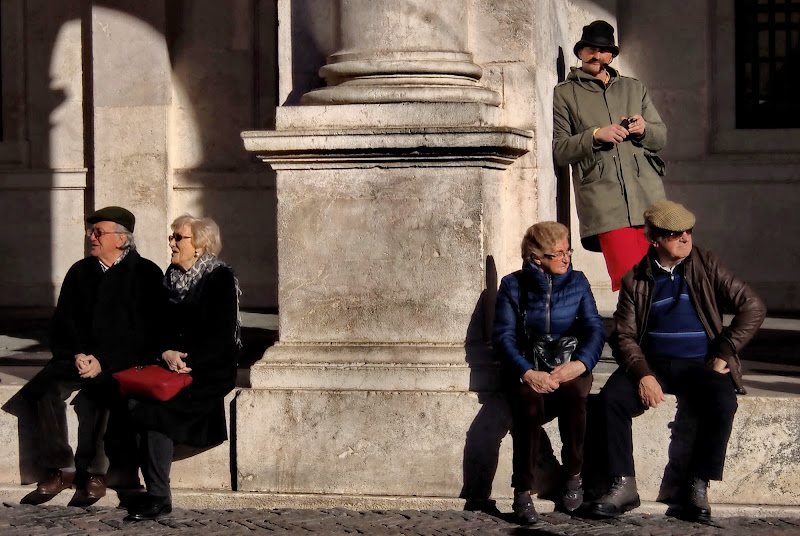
(644, 270)
(589, 82)
(537, 279)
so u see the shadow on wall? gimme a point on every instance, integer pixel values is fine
(493, 421)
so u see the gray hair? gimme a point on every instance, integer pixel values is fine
(651, 232)
(129, 242)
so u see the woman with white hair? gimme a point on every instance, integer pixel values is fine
(202, 337)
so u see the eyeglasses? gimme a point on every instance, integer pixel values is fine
(559, 254)
(674, 235)
(98, 233)
(177, 237)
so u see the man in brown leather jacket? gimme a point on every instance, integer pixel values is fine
(669, 337)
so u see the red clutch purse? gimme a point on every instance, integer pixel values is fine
(151, 381)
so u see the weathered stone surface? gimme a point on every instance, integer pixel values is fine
(441, 444)
(210, 469)
(367, 256)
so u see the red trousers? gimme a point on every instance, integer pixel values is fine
(622, 249)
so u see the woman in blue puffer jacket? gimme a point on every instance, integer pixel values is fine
(557, 302)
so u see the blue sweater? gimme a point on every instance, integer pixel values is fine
(673, 328)
(569, 297)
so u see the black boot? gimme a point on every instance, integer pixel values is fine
(621, 497)
(697, 507)
(524, 511)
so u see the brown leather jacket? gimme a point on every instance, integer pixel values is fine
(713, 289)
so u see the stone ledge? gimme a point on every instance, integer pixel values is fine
(205, 499)
(447, 444)
(208, 469)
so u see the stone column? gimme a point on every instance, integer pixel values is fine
(387, 226)
(402, 51)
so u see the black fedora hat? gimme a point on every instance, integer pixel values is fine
(598, 34)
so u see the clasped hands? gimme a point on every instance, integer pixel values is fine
(547, 382)
(88, 366)
(175, 361)
(617, 133)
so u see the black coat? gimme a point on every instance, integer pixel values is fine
(203, 326)
(113, 315)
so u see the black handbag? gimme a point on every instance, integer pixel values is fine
(542, 351)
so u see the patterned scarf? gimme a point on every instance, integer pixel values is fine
(179, 283)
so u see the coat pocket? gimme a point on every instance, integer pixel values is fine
(657, 163)
(591, 169)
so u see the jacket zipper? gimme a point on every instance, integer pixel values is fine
(547, 306)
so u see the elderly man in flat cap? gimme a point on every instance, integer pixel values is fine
(106, 320)
(607, 128)
(669, 337)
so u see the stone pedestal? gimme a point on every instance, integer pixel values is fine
(391, 187)
(385, 240)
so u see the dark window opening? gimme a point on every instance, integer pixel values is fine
(767, 63)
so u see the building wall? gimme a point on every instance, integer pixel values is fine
(743, 185)
(88, 122)
(139, 105)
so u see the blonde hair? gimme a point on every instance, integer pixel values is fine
(539, 236)
(205, 232)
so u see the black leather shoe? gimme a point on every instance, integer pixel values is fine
(697, 507)
(150, 509)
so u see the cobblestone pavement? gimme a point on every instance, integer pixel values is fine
(19, 520)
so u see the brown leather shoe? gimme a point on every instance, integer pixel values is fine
(55, 483)
(95, 486)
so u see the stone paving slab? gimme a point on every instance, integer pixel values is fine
(27, 520)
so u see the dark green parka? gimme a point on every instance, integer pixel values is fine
(614, 184)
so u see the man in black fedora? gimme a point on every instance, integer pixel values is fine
(106, 320)
(606, 127)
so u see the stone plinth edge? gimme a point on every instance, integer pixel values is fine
(487, 147)
(376, 368)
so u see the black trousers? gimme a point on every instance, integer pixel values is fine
(709, 394)
(155, 458)
(47, 393)
(531, 410)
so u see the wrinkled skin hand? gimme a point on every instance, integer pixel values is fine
(650, 392)
(175, 361)
(568, 371)
(88, 366)
(541, 382)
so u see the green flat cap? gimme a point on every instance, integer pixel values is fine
(118, 215)
(670, 216)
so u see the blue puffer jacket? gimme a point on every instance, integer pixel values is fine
(569, 297)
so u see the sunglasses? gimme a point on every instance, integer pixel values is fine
(674, 235)
(177, 237)
(99, 233)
